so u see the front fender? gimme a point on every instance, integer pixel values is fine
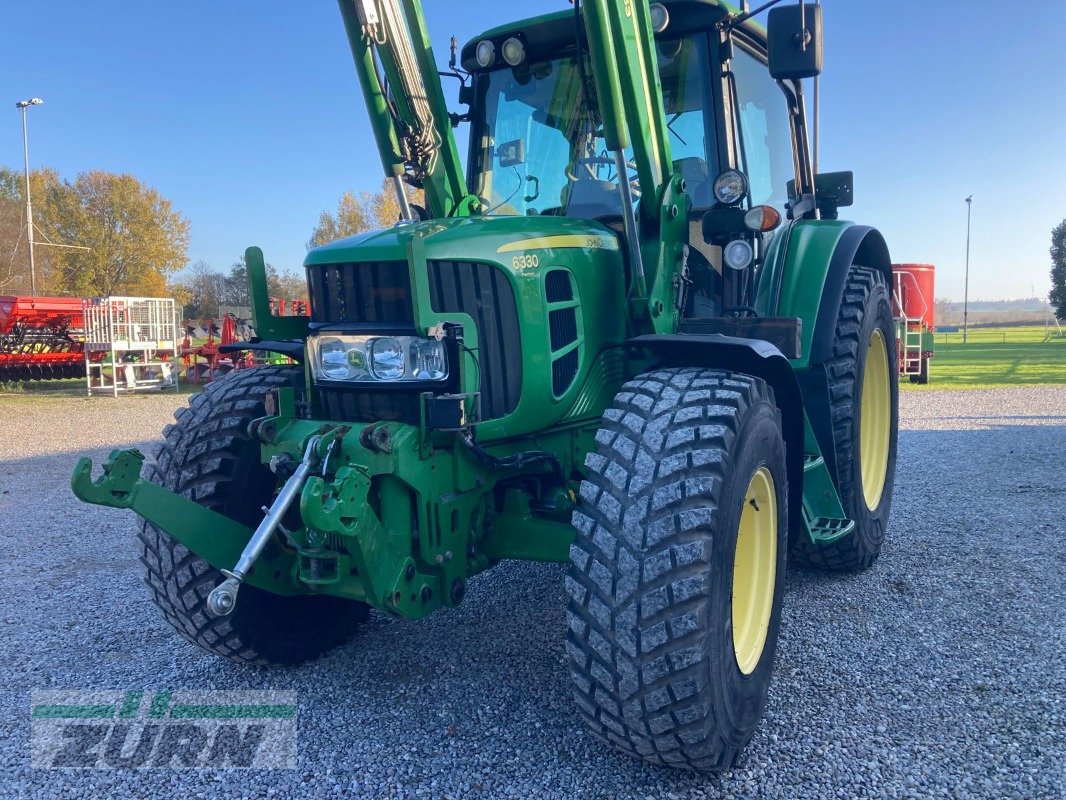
(751, 357)
(812, 273)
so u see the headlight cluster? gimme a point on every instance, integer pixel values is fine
(377, 358)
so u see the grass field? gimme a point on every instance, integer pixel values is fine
(995, 357)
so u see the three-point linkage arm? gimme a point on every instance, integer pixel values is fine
(403, 94)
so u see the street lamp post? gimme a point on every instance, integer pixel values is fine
(22, 105)
(966, 287)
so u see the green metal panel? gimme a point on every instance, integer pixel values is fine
(268, 326)
(525, 248)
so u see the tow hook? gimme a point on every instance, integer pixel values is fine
(223, 598)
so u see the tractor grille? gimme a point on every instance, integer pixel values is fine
(367, 292)
(379, 293)
(347, 405)
(484, 292)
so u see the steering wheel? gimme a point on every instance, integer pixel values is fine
(590, 163)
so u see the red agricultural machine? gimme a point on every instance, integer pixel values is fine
(914, 309)
(41, 338)
(214, 356)
(205, 361)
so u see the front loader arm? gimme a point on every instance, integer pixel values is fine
(628, 89)
(626, 72)
(398, 75)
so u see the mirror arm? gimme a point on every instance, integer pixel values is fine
(732, 22)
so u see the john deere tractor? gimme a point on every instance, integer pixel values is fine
(632, 337)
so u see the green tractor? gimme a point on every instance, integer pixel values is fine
(632, 337)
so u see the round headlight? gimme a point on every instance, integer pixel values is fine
(428, 362)
(738, 254)
(386, 359)
(333, 359)
(730, 187)
(513, 51)
(486, 53)
(660, 17)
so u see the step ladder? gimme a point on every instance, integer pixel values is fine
(821, 529)
(910, 329)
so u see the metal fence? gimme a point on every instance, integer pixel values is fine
(139, 337)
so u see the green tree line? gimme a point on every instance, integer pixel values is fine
(129, 238)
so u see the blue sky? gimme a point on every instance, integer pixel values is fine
(248, 116)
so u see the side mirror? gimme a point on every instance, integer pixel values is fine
(794, 41)
(512, 153)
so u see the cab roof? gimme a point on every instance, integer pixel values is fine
(550, 34)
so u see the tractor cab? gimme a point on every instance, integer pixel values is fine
(538, 143)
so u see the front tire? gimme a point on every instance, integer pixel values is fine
(677, 567)
(208, 457)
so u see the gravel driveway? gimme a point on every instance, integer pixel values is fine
(940, 672)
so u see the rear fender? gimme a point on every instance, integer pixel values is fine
(813, 273)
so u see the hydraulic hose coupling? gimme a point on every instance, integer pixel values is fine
(223, 598)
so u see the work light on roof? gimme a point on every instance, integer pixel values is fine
(660, 17)
(486, 53)
(514, 52)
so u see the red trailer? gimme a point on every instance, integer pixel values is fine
(914, 309)
(41, 338)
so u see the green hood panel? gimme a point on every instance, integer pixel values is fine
(494, 239)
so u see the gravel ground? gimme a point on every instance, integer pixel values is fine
(940, 672)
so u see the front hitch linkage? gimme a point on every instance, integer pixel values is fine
(223, 598)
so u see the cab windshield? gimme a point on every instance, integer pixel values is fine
(539, 150)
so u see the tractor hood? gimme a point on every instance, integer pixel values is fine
(492, 239)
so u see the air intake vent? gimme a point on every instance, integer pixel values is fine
(557, 286)
(562, 325)
(562, 329)
(564, 369)
(377, 292)
(484, 292)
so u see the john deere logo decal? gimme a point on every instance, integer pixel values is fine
(163, 729)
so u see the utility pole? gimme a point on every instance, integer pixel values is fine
(966, 289)
(22, 105)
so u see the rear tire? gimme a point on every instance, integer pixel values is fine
(865, 316)
(208, 457)
(658, 627)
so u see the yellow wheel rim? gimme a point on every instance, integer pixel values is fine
(754, 570)
(875, 420)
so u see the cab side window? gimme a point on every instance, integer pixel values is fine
(767, 144)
